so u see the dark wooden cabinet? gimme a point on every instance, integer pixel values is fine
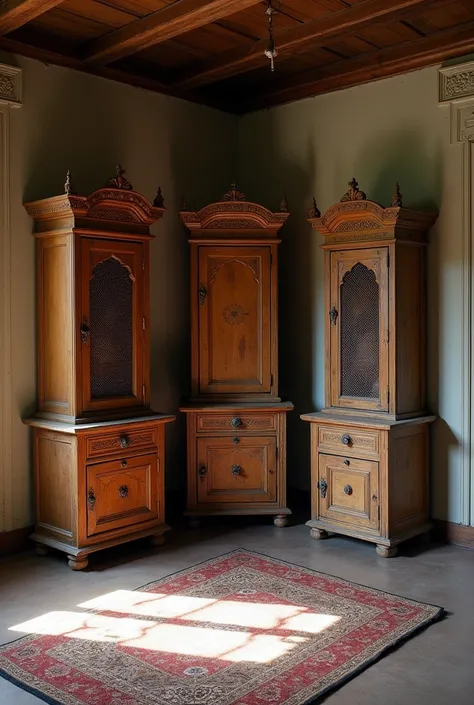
(98, 447)
(236, 420)
(369, 445)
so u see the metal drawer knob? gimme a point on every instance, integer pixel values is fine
(125, 441)
(323, 487)
(123, 491)
(347, 462)
(346, 439)
(236, 441)
(348, 489)
(202, 472)
(124, 463)
(235, 423)
(236, 470)
(91, 499)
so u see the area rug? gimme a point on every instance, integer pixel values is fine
(240, 629)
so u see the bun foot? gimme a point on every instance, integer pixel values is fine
(319, 534)
(41, 550)
(157, 539)
(386, 551)
(76, 563)
(280, 521)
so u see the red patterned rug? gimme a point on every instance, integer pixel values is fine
(240, 629)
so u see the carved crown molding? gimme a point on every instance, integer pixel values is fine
(456, 82)
(233, 212)
(355, 218)
(10, 85)
(116, 202)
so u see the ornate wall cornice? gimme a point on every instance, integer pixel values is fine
(10, 85)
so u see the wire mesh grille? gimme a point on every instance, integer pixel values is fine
(360, 334)
(111, 326)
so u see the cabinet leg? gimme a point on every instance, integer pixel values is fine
(318, 534)
(386, 551)
(281, 520)
(157, 539)
(41, 550)
(76, 563)
(194, 522)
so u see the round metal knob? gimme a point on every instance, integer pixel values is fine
(125, 441)
(236, 423)
(348, 489)
(236, 441)
(236, 469)
(123, 491)
(347, 462)
(124, 463)
(346, 439)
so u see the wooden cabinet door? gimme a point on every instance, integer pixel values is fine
(358, 329)
(121, 493)
(230, 472)
(235, 320)
(348, 491)
(112, 325)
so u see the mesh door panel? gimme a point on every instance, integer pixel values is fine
(111, 326)
(360, 334)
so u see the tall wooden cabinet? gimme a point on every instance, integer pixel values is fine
(236, 422)
(98, 447)
(370, 445)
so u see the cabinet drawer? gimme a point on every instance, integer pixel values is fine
(121, 493)
(236, 423)
(120, 442)
(347, 491)
(229, 472)
(351, 441)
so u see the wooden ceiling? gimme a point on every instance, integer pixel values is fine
(212, 51)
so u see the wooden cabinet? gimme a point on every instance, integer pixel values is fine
(369, 446)
(236, 420)
(98, 447)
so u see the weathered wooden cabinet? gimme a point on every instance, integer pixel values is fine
(370, 445)
(98, 447)
(236, 438)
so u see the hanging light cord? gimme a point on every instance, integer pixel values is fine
(270, 51)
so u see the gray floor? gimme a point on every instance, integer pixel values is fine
(435, 667)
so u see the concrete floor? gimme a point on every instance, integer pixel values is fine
(435, 667)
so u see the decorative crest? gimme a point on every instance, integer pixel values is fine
(234, 194)
(354, 194)
(184, 204)
(119, 180)
(159, 201)
(283, 205)
(69, 186)
(314, 211)
(397, 197)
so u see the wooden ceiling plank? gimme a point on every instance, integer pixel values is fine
(317, 32)
(408, 56)
(172, 21)
(16, 13)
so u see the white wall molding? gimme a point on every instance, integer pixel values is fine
(10, 97)
(456, 90)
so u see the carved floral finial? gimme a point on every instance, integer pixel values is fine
(354, 194)
(159, 201)
(283, 205)
(184, 204)
(234, 194)
(119, 180)
(397, 197)
(314, 211)
(69, 186)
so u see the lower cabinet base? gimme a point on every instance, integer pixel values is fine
(78, 557)
(280, 514)
(385, 547)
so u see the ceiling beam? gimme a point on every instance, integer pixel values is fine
(392, 61)
(175, 19)
(16, 13)
(314, 33)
